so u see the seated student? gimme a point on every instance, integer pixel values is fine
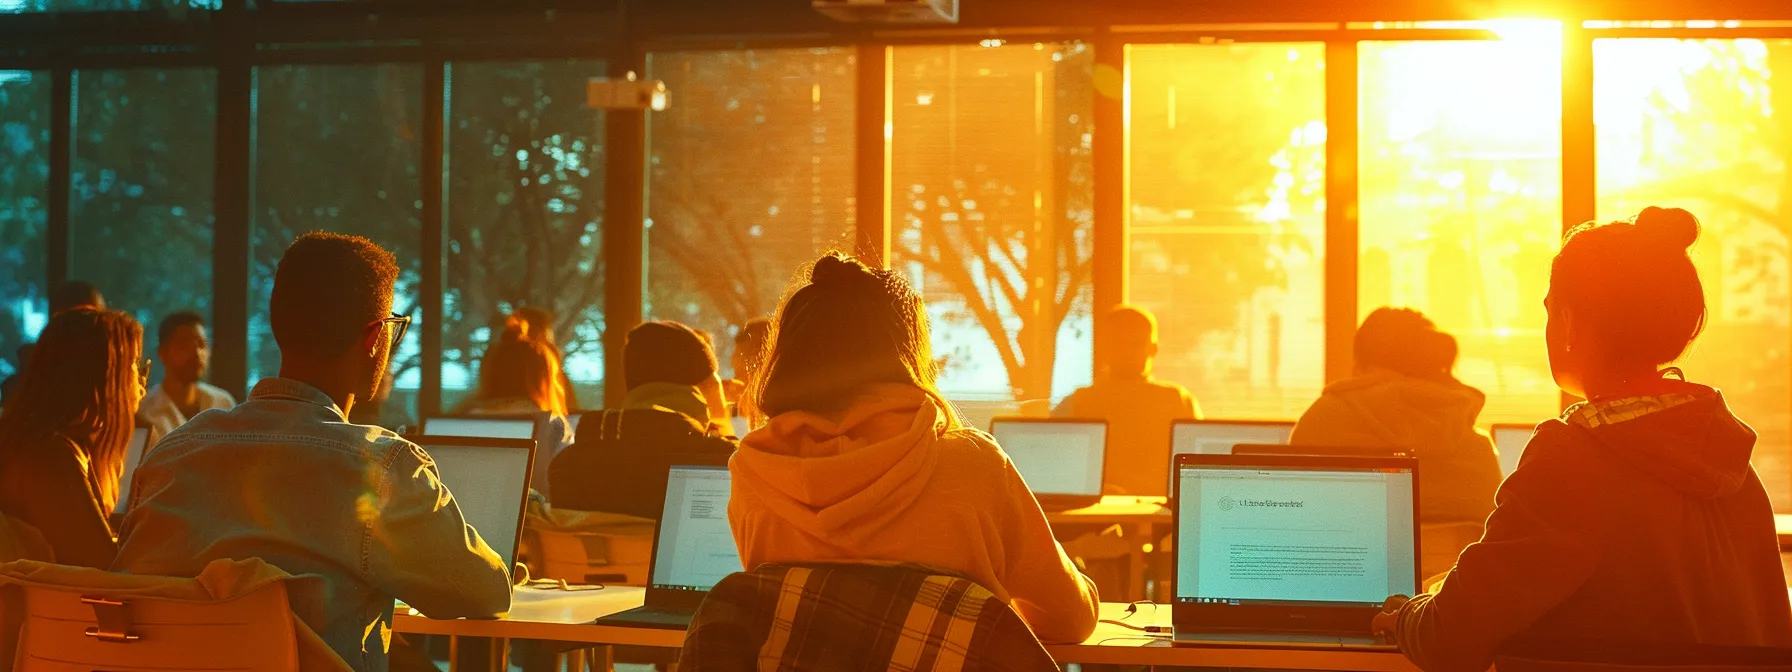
(1139, 409)
(1636, 516)
(541, 328)
(284, 477)
(520, 374)
(1405, 395)
(183, 393)
(76, 294)
(863, 460)
(619, 462)
(63, 437)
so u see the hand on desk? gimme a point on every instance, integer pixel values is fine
(1384, 623)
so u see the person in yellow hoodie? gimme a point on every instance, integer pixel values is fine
(863, 461)
(1404, 395)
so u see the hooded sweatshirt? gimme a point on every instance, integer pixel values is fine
(886, 482)
(1434, 420)
(1638, 519)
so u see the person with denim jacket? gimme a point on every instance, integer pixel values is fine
(286, 478)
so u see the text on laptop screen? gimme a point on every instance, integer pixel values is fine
(1511, 442)
(483, 428)
(1218, 438)
(1332, 536)
(696, 545)
(1055, 458)
(488, 483)
(132, 456)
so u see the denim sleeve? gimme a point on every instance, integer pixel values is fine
(421, 550)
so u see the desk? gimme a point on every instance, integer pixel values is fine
(1143, 516)
(1782, 523)
(554, 615)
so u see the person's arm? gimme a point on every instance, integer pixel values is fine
(1057, 601)
(423, 551)
(1542, 542)
(63, 506)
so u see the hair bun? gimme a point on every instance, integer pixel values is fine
(515, 329)
(835, 268)
(1672, 228)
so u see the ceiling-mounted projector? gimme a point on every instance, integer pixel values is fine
(890, 11)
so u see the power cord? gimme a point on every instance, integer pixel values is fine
(1133, 610)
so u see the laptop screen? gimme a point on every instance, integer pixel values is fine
(485, 428)
(1218, 438)
(695, 549)
(133, 456)
(489, 483)
(1055, 457)
(1294, 535)
(1510, 441)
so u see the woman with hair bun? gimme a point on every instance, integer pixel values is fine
(1635, 518)
(863, 461)
(1405, 395)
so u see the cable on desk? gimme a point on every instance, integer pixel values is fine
(1154, 629)
(1148, 638)
(561, 584)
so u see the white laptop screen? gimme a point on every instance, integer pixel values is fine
(696, 546)
(133, 455)
(1055, 457)
(484, 428)
(1218, 438)
(1319, 536)
(1511, 442)
(488, 483)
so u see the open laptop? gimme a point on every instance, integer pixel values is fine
(693, 548)
(1334, 451)
(489, 479)
(1291, 550)
(1217, 437)
(1060, 459)
(531, 426)
(133, 456)
(1510, 441)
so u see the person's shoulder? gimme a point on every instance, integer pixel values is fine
(969, 446)
(216, 397)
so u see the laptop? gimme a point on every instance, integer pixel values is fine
(1217, 437)
(1291, 550)
(1510, 441)
(693, 548)
(1061, 460)
(489, 479)
(532, 426)
(133, 456)
(1337, 451)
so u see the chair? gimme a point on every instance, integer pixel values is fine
(1581, 655)
(787, 618)
(74, 629)
(588, 548)
(21, 541)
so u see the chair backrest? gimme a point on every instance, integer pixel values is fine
(1582, 655)
(588, 548)
(856, 617)
(70, 629)
(21, 541)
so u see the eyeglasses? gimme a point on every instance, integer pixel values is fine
(401, 324)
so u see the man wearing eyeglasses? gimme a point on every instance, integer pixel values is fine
(285, 477)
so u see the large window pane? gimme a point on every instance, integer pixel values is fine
(1461, 203)
(526, 159)
(336, 149)
(1228, 220)
(991, 200)
(173, 7)
(1707, 125)
(140, 202)
(752, 176)
(24, 174)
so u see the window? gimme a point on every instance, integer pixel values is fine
(1227, 152)
(992, 208)
(751, 177)
(1703, 125)
(525, 215)
(1460, 181)
(172, 7)
(140, 201)
(336, 149)
(24, 184)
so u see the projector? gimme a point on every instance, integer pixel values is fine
(625, 94)
(890, 11)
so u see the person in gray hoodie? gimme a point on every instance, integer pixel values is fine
(1635, 517)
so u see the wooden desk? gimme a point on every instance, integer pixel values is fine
(560, 616)
(1782, 523)
(1147, 520)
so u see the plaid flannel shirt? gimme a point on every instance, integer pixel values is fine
(856, 617)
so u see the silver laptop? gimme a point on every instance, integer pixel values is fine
(1060, 459)
(489, 479)
(1217, 437)
(532, 426)
(1291, 550)
(133, 456)
(1510, 441)
(693, 547)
